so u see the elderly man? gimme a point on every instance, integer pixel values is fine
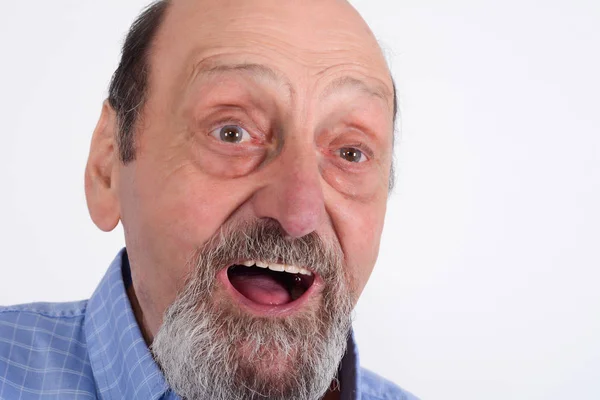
(246, 147)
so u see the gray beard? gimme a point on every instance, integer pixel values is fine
(211, 349)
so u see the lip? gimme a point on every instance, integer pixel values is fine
(261, 310)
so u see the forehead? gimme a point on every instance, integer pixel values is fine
(299, 41)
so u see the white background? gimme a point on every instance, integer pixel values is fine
(487, 286)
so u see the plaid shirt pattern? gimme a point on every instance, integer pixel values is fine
(94, 350)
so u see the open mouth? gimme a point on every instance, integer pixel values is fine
(270, 284)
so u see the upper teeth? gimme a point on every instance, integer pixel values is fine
(292, 269)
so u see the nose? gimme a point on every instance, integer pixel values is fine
(293, 195)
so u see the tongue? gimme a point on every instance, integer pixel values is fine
(261, 289)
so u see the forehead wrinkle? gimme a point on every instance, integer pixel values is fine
(254, 70)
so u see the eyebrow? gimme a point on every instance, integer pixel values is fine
(255, 70)
(348, 82)
(265, 72)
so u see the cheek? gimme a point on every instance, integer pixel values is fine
(167, 215)
(359, 227)
(186, 209)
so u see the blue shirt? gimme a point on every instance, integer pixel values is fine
(94, 349)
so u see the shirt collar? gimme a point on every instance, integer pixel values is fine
(121, 361)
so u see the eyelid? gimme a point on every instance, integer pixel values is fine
(246, 123)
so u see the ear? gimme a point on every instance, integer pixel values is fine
(101, 172)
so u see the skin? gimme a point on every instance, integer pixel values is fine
(304, 79)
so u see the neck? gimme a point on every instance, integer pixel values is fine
(139, 315)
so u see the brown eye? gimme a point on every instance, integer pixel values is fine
(232, 134)
(353, 155)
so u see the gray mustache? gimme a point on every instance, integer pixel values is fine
(265, 240)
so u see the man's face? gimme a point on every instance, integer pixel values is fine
(262, 113)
